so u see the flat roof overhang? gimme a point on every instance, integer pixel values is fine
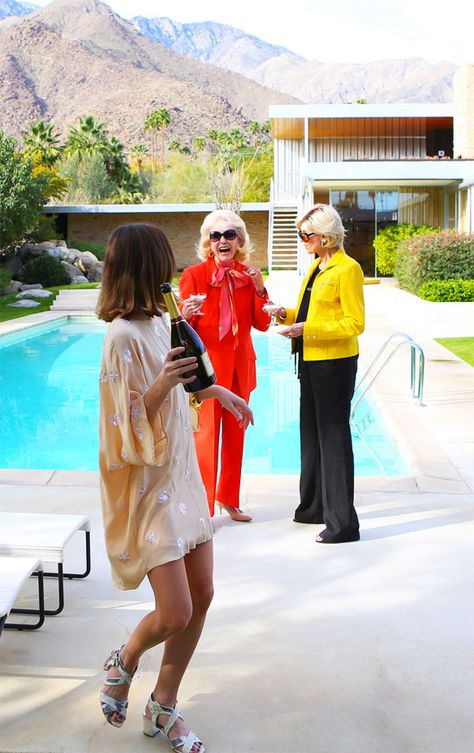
(409, 172)
(345, 121)
(394, 110)
(391, 185)
(262, 206)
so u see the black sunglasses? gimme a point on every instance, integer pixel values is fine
(229, 235)
(305, 236)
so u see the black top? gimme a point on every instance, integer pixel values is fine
(297, 342)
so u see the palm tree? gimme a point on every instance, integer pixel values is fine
(137, 153)
(236, 139)
(254, 129)
(199, 143)
(157, 122)
(42, 143)
(174, 146)
(89, 137)
(115, 161)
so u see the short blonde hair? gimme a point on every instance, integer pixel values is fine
(204, 247)
(323, 220)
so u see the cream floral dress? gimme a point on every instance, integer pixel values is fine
(154, 503)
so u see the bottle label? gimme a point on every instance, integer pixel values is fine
(206, 362)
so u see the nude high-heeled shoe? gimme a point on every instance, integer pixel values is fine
(235, 513)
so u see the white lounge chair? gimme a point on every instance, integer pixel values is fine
(14, 572)
(44, 535)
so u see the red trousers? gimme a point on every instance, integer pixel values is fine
(213, 420)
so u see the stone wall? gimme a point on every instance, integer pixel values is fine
(463, 100)
(181, 228)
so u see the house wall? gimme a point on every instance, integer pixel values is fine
(367, 139)
(463, 101)
(181, 229)
(288, 155)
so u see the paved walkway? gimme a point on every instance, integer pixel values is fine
(351, 648)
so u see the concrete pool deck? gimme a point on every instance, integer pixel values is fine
(352, 648)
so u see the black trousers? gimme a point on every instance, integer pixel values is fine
(327, 459)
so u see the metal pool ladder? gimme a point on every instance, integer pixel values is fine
(417, 368)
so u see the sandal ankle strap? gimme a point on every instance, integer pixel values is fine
(156, 708)
(114, 660)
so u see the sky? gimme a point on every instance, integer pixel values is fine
(345, 31)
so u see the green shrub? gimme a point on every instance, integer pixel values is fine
(446, 255)
(87, 179)
(188, 179)
(46, 230)
(46, 270)
(388, 240)
(5, 279)
(447, 290)
(22, 195)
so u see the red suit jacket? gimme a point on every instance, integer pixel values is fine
(227, 359)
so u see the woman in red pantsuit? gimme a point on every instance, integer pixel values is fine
(223, 299)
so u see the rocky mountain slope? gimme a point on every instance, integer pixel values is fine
(12, 8)
(214, 43)
(70, 59)
(406, 80)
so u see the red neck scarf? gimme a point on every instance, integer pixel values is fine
(228, 279)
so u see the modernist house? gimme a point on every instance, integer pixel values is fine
(378, 165)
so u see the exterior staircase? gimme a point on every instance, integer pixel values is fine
(283, 252)
(79, 299)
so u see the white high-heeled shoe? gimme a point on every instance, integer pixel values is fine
(151, 727)
(109, 705)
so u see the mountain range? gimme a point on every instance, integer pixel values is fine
(12, 8)
(401, 80)
(71, 58)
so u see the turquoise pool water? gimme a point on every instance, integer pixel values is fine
(49, 407)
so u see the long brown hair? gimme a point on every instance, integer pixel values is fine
(138, 259)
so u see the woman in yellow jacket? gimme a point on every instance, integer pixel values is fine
(324, 328)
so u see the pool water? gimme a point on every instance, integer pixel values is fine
(49, 405)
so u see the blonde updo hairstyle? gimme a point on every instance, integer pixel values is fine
(323, 220)
(204, 248)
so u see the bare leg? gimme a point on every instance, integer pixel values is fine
(180, 647)
(183, 592)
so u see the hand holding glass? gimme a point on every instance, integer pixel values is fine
(192, 305)
(272, 309)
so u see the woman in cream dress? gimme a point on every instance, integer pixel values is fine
(154, 504)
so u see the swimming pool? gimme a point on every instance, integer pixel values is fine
(49, 405)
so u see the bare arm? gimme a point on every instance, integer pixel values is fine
(233, 403)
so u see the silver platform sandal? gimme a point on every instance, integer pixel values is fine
(109, 704)
(151, 728)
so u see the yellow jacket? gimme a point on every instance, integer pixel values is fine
(336, 309)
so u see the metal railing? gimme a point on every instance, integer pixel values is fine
(417, 368)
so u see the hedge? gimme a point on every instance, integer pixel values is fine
(387, 241)
(446, 255)
(447, 290)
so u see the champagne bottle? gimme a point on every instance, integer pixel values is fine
(182, 334)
